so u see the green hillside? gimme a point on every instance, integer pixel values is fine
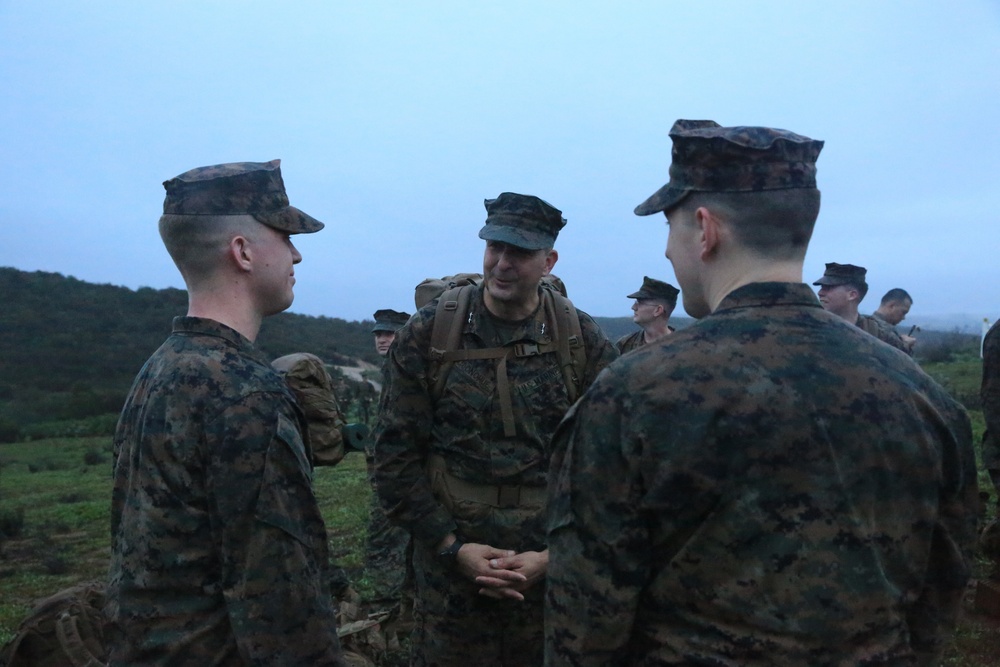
(72, 348)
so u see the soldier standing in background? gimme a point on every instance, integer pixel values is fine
(842, 288)
(388, 552)
(771, 486)
(462, 453)
(990, 397)
(893, 309)
(218, 550)
(654, 303)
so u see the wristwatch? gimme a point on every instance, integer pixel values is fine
(450, 552)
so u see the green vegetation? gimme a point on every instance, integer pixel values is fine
(73, 349)
(54, 518)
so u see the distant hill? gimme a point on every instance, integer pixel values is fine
(72, 348)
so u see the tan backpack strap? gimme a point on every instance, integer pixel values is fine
(68, 634)
(446, 333)
(566, 331)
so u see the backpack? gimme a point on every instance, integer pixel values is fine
(454, 296)
(64, 630)
(307, 377)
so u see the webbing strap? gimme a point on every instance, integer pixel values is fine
(72, 643)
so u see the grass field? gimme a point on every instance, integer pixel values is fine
(54, 518)
(54, 500)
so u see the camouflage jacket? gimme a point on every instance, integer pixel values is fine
(990, 395)
(219, 553)
(771, 487)
(882, 330)
(634, 340)
(465, 426)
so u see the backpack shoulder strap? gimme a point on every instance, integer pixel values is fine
(446, 333)
(568, 334)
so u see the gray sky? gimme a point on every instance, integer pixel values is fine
(394, 120)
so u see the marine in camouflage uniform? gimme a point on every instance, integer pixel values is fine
(218, 550)
(990, 396)
(842, 288)
(654, 302)
(387, 547)
(478, 525)
(772, 486)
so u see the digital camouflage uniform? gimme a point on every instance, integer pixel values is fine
(632, 341)
(387, 547)
(882, 330)
(769, 487)
(219, 553)
(990, 396)
(456, 625)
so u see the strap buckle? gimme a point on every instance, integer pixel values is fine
(526, 349)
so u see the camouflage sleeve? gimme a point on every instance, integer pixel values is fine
(600, 350)
(597, 541)
(402, 437)
(272, 538)
(933, 616)
(883, 331)
(990, 396)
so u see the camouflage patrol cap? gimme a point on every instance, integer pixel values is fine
(389, 320)
(524, 221)
(238, 188)
(656, 289)
(709, 158)
(844, 274)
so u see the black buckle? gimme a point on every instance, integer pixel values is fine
(525, 349)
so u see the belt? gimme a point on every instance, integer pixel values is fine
(503, 496)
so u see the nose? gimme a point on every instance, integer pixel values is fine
(296, 256)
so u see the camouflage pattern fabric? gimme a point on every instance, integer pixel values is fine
(387, 555)
(990, 395)
(466, 429)
(769, 487)
(219, 552)
(632, 341)
(883, 331)
(238, 188)
(709, 158)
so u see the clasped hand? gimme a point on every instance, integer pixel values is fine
(502, 573)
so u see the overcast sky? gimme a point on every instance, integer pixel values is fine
(394, 120)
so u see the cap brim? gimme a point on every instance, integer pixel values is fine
(833, 282)
(516, 237)
(663, 199)
(384, 327)
(636, 295)
(291, 220)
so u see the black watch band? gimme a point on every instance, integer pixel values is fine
(450, 553)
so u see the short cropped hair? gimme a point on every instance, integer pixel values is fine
(896, 295)
(776, 223)
(862, 290)
(197, 243)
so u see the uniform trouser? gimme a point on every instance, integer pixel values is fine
(387, 559)
(456, 626)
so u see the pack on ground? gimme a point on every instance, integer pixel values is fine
(63, 630)
(455, 293)
(307, 377)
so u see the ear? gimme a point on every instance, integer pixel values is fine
(708, 226)
(240, 252)
(658, 310)
(551, 257)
